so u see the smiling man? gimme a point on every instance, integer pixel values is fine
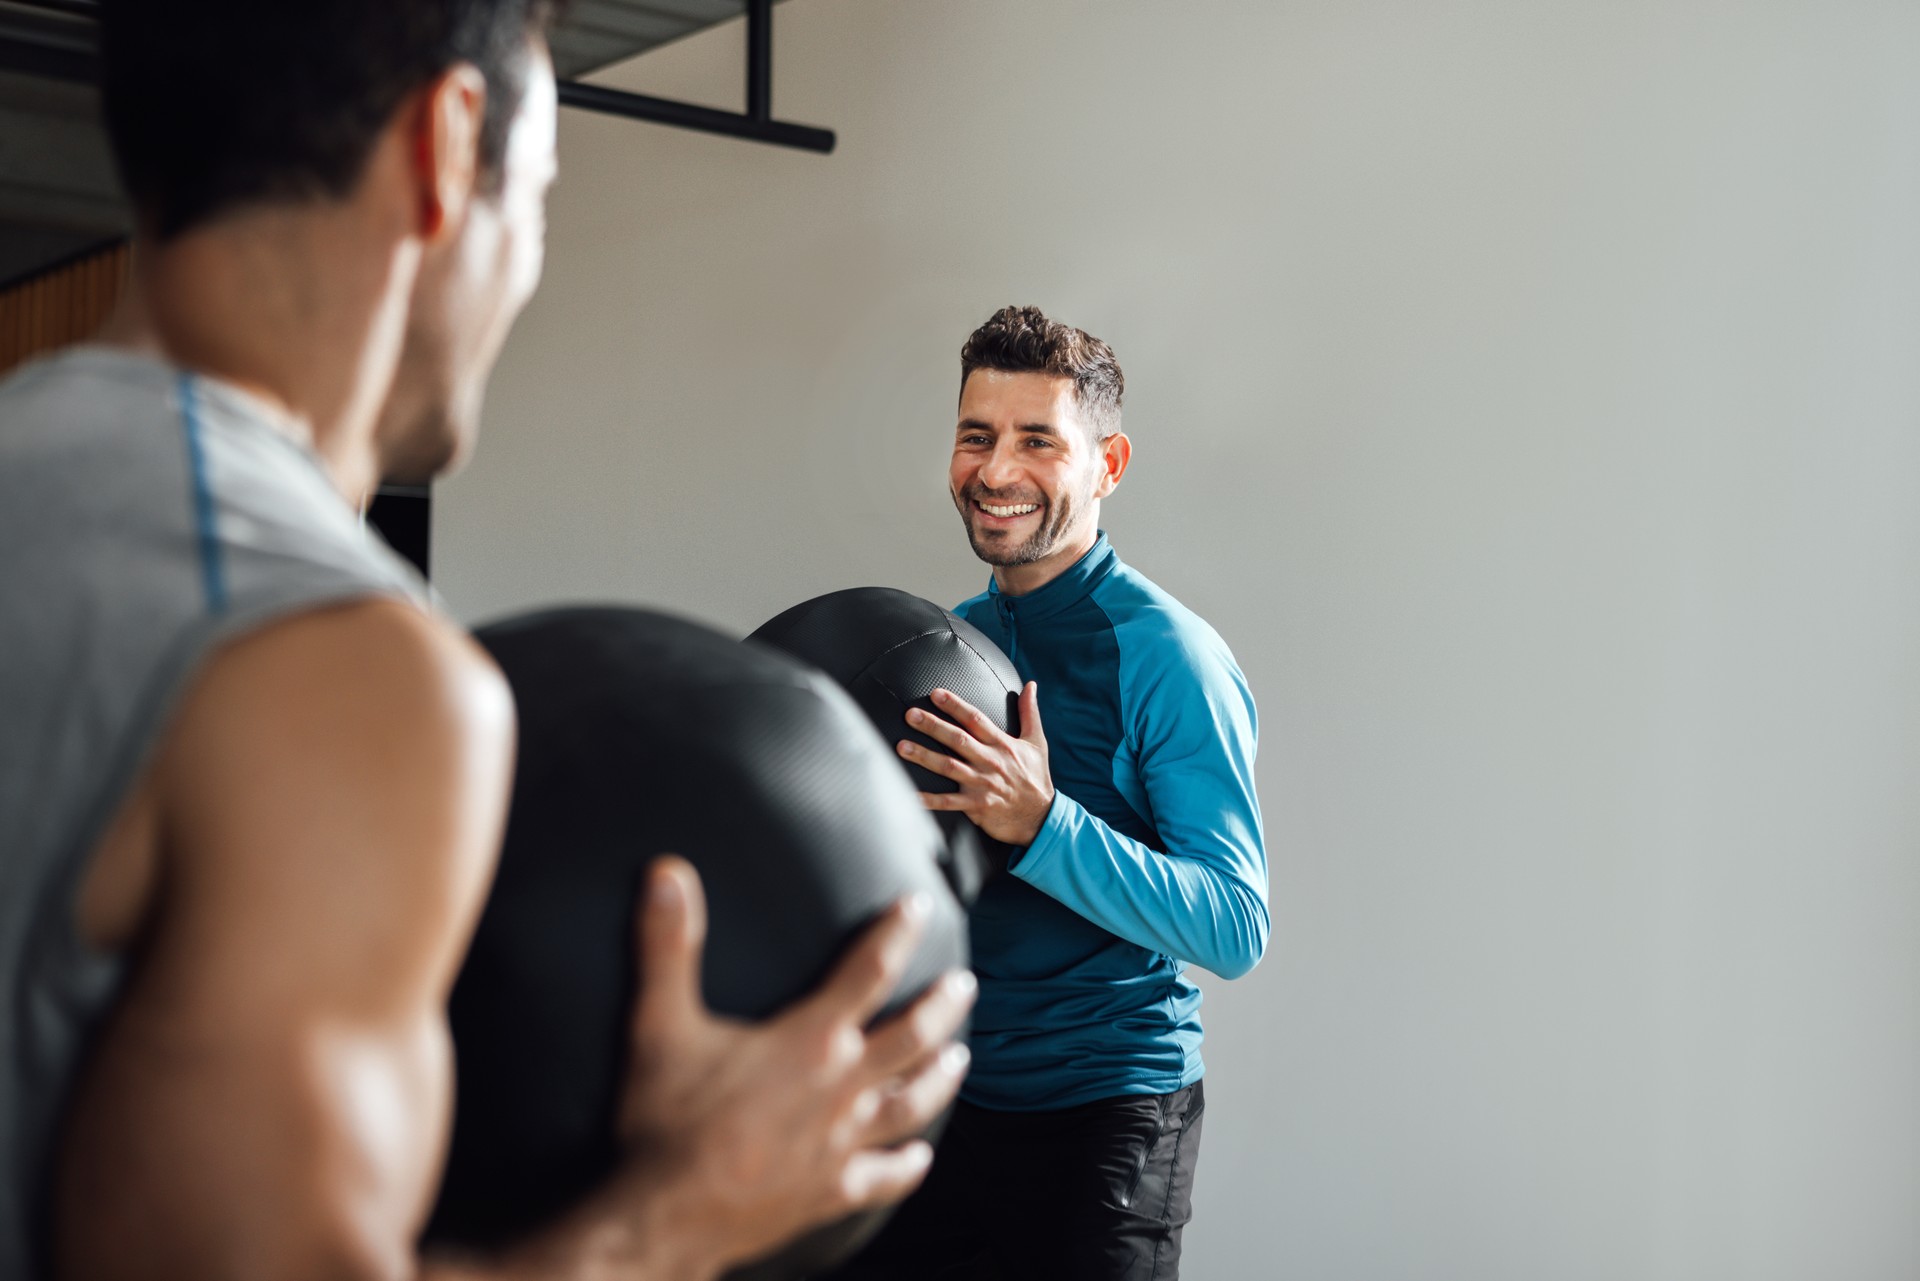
(1137, 843)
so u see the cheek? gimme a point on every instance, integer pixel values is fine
(1064, 488)
(512, 276)
(510, 258)
(1091, 476)
(482, 263)
(1057, 479)
(526, 258)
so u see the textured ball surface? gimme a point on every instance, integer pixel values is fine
(891, 650)
(642, 734)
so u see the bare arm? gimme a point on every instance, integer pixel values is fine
(271, 1096)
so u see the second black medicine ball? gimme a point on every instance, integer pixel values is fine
(643, 734)
(890, 649)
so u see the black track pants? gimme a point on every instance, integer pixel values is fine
(1098, 1192)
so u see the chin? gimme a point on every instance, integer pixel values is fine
(432, 447)
(1000, 553)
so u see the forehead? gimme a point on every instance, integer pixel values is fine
(1011, 399)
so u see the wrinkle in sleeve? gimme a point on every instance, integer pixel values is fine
(1204, 899)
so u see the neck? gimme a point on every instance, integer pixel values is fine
(1018, 580)
(303, 306)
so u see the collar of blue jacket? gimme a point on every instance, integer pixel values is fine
(1063, 591)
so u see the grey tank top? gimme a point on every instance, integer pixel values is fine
(147, 515)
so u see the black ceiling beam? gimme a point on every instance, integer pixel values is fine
(685, 115)
(760, 60)
(66, 59)
(756, 123)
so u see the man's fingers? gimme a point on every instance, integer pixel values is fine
(672, 930)
(910, 1037)
(867, 975)
(909, 1108)
(942, 730)
(884, 1176)
(1030, 714)
(971, 718)
(963, 802)
(938, 762)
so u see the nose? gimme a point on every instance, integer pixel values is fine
(1001, 467)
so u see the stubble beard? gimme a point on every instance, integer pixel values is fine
(1055, 519)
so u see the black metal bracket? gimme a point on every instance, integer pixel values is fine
(756, 123)
(64, 58)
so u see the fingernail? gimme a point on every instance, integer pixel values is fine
(915, 716)
(955, 1058)
(666, 890)
(941, 696)
(962, 983)
(917, 907)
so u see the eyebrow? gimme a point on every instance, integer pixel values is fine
(1037, 429)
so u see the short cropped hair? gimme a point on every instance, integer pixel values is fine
(1022, 340)
(217, 104)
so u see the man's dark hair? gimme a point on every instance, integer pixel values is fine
(213, 104)
(1021, 340)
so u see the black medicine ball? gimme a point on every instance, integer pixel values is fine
(891, 650)
(642, 734)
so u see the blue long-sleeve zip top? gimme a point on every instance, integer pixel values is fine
(1151, 856)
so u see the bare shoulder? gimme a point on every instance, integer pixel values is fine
(337, 762)
(273, 1085)
(269, 708)
(371, 652)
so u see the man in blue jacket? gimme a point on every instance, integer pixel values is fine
(1137, 843)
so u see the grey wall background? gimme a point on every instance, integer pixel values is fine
(1528, 392)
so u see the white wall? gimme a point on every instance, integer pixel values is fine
(1529, 392)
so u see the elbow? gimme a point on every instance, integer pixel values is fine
(1238, 962)
(1243, 941)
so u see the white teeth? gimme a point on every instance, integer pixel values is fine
(1021, 510)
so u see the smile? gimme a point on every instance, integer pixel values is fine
(1019, 509)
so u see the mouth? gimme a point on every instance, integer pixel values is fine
(1001, 515)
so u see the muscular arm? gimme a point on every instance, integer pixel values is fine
(271, 1096)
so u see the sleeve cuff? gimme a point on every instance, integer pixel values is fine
(1055, 832)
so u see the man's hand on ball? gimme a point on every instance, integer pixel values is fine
(1005, 786)
(742, 1136)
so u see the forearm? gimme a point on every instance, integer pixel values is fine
(611, 1255)
(623, 1234)
(1196, 905)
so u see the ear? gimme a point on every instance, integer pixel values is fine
(1116, 451)
(446, 122)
